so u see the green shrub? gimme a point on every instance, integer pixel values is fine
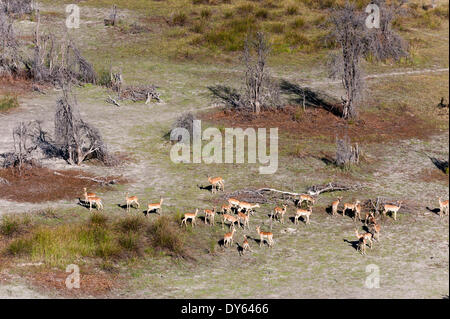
(179, 19)
(205, 13)
(11, 224)
(133, 223)
(20, 246)
(8, 102)
(291, 10)
(98, 219)
(166, 235)
(262, 14)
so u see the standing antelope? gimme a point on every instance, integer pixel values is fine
(305, 213)
(87, 195)
(233, 202)
(362, 245)
(190, 216)
(375, 229)
(367, 237)
(249, 208)
(443, 207)
(95, 200)
(130, 201)
(216, 181)
(264, 235)
(226, 208)
(229, 218)
(209, 215)
(279, 213)
(245, 219)
(155, 207)
(392, 208)
(245, 245)
(306, 198)
(352, 207)
(358, 211)
(335, 205)
(228, 237)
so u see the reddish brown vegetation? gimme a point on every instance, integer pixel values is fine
(371, 127)
(91, 284)
(39, 185)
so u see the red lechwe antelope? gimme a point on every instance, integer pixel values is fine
(189, 216)
(226, 208)
(227, 217)
(157, 207)
(86, 195)
(233, 202)
(216, 181)
(130, 201)
(363, 240)
(249, 208)
(306, 198)
(335, 205)
(228, 238)
(209, 215)
(374, 229)
(95, 200)
(305, 213)
(353, 207)
(279, 213)
(268, 236)
(245, 219)
(245, 245)
(443, 207)
(392, 208)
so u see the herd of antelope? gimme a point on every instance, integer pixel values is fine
(239, 212)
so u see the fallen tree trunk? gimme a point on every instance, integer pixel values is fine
(260, 195)
(96, 180)
(316, 190)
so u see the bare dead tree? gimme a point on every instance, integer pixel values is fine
(383, 42)
(16, 7)
(348, 24)
(260, 91)
(346, 153)
(112, 20)
(77, 140)
(24, 147)
(9, 44)
(185, 121)
(356, 41)
(58, 62)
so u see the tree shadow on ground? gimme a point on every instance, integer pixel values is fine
(306, 96)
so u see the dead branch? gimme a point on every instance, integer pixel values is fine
(316, 190)
(140, 93)
(112, 20)
(96, 180)
(261, 195)
(112, 101)
(4, 181)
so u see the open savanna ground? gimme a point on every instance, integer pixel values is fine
(184, 47)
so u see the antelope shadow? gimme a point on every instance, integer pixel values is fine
(434, 210)
(353, 243)
(442, 165)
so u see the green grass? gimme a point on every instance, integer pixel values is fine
(100, 237)
(8, 103)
